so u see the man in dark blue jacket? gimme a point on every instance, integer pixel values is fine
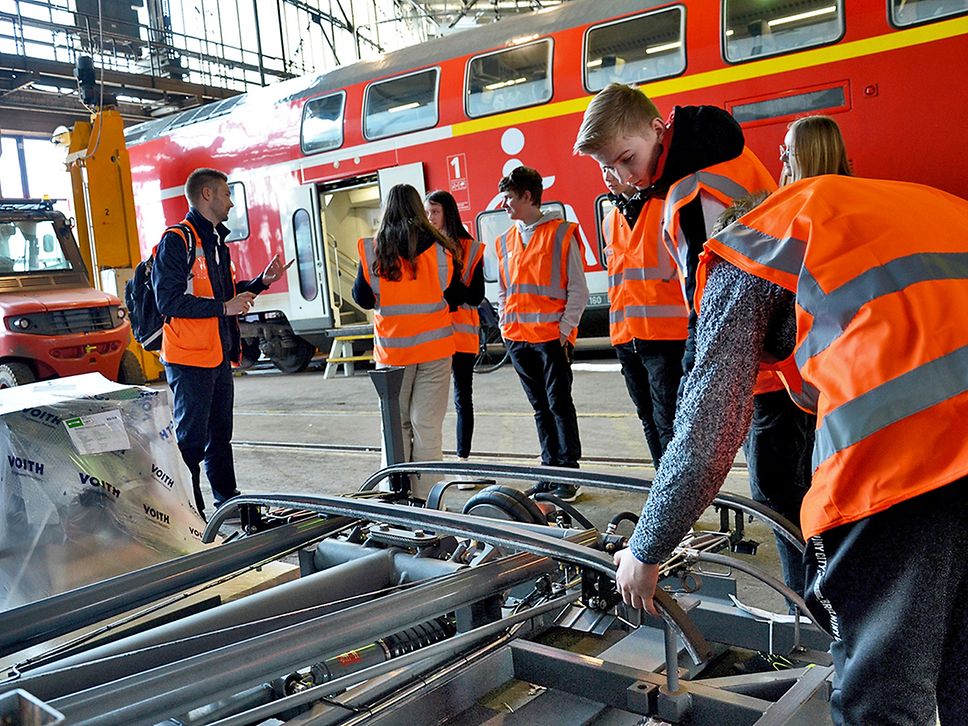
(201, 333)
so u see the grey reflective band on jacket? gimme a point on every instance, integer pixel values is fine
(369, 256)
(785, 255)
(647, 311)
(635, 273)
(464, 328)
(840, 306)
(412, 308)
(685, 188)
(424, 337)
(469, 262)
(915, 391)
(531, 317)
(443, 274)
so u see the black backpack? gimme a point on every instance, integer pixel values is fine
(139, 295)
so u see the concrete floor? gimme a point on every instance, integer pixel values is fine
(305, 408)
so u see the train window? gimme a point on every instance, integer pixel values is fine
(322, 123)
(633, 50)
(238, 221)
(401, 104)
(915, 12)
(828, 99)
(511, 78)
(302, 232)
(757, 28)
(492, 224)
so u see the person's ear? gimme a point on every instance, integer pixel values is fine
(658, 125)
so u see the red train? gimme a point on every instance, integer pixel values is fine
(308, 159)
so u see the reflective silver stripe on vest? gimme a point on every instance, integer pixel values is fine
(369, 256)
(785, 255)
(635, 273)
(531, 317)
(647, 311)
(502, 244)
(555, 293)
(413, 308)
(556, 249)
(897, 399)
(687, 186)
(840, 306)
(469, 262)
(463, 328)
(424, 337)
(443, 274)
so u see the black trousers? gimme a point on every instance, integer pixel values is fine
(652, 369)
(202, 402)
(778, 453)
(545, 373)
(462, 371)
(893, 590)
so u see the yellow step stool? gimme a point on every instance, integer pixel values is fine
(341, 354)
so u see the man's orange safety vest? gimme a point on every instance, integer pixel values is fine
(466, 319)
(194, 341)
(644, 294)
(411, 320)
(535, 278)
(880, 272)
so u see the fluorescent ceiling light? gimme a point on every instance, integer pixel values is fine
(802, 16)
(663, 48)
(595, 63)
(404, 107)
(504, 84)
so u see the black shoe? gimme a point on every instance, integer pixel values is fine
(220, 500)
(566, 492)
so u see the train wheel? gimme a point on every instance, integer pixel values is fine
(296, 358)
(250, 353)
(15, 374)
(130, 371)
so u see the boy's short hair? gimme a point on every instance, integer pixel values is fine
(523, 179)
(198, 180)
(617, 110)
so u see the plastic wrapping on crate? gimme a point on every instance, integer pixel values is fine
(92, 485)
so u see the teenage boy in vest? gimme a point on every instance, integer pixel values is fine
(852, 300)
(542, 294)
(647, 315)
(201, 332)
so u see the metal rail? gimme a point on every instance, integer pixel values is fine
(499, 533)
(577, 477)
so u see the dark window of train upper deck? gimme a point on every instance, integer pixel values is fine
(634, 50)
(916, 12)
(322, 123)
(511, 78)
(302, 232)
(400, 105)
(238, 221)
(759, 28)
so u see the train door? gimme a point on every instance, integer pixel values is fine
(310, 309)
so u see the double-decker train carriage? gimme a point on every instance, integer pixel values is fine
(309, 159)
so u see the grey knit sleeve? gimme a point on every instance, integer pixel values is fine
(715, 407)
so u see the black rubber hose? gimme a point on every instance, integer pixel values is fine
(576, 515)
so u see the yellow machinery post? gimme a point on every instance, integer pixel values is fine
(104, 202)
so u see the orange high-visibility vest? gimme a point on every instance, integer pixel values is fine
(411, 320)
(536, 280)
(726, 181)
(880, 272)
(466, 319)
(194, 341)
(644, 295)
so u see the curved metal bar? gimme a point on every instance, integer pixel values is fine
(579, 477)
(499, 533)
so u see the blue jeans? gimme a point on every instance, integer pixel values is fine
(203, 400)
